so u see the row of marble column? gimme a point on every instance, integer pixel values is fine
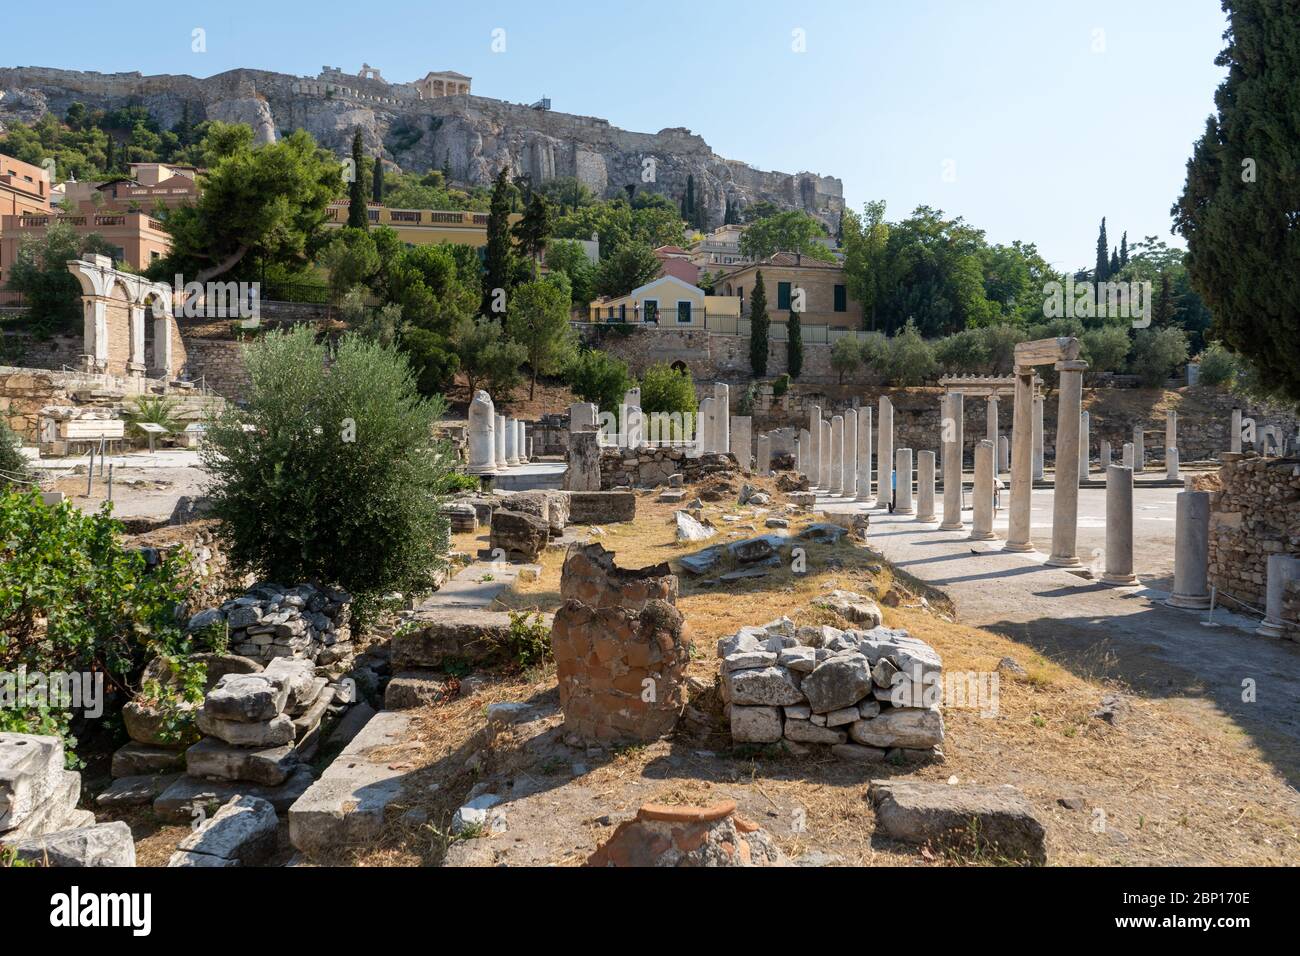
(495, 441)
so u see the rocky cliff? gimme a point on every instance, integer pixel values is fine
(473, 136)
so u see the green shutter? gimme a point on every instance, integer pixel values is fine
(841, 299)
(783, 295)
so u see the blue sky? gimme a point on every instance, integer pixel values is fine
(1046, 123)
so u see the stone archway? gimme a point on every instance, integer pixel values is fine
(680, 367)
(114, 305)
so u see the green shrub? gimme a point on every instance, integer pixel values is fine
(530, 638)
(1105, 349)
(598, 377)
(1218, 366)
(846, 356)
(664, 389)
(910, 359)
(455, 481)
(152, 410)
(331, 474)
(780, 385)
(1156, 353)
(13, 466)
(432, 359)
(963, 353)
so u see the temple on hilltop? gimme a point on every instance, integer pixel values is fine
(433, 86)
(446, 83)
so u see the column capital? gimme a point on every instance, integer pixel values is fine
(1077, 365)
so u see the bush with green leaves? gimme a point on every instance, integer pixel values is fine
(73, 599)
(1105, 349)
(780, 385)
(152, 410)
(846, 356)
(488, 359)
(665, 389)
(598, 377)
(1218, 366)
(1156, 353)
(330, 474)
(13, 466)
(910, 359)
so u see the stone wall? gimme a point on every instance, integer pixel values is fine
(1254, 512)
(651, 467)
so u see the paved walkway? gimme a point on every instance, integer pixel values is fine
(1093, 629)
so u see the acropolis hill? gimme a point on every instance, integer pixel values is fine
(473, 136)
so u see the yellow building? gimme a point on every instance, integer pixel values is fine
(422, 227)
(670, 302)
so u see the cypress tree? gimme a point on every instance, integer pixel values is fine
(496, 262)
(758, 327)
(794, 346)
(1114, 262)
(1103, 255)
(1123, 250)
(378, 190)
(357, 218)
(1162, 311)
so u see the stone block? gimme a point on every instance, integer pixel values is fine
(243, 830)
(103, 844)
(998, 821)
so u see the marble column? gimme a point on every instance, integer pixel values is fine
(708, 426)
(805, 453)
(1065, 483)
(1004, 454)
(814, 453)
(849, 486)
(798, 453)
(764, 456)
(1127, 457)
(1038, 438)
(824, 447)
(482, 440)
(991, 425)
(722, 409)
(508, 441)
(525, 448)
(500, 442)
(952, 463)
(1139, 449)
(1234, 439)
(1283, 570)
(1085, 426)
(982, 522)
(741, 432)
(1022, 463)
(903, 476)
(1119, 526)
(1103, 457)
(1191, 550)
(1171, 429)
(836, 483)
(864, 454)
(1171, 463)
(925, 487)
(885, 454)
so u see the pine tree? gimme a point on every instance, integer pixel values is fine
(532, 231)
(1238, 207)
(794, 346)
(496, 263)
(357, 217)
(1103, 255)
(378, 190)
(758, 327)
(1123, 250)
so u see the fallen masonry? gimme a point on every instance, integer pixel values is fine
(862, 693)
(241, 833)
(997, 823)
(662, 835)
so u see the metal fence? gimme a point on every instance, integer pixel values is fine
(777, 330)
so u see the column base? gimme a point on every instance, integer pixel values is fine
(866, 497)
(1064, 561)
(1119, 580)
(483, 471)
(949, 526)
(927, 518)
(987, 536)
(904, 511)
(1192, 602)
(1266, 629)
(1020, 547)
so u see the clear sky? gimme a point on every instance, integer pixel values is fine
(1030, 118)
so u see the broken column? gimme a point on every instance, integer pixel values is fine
(1127, 457)
(1022, 462)
(582, 417)
(1038, 438)
(849, 484)
(482, 438)
(982, 520)
(1065, 487)
(1283, 572)
(1103, 456)
(903, 481)
(521, 443)
(1191, 550)
(953, 417)
(764, 456)
(621, 649)
(583, 471)
(1119, 526)
(925, 486)
(1171, 463)
(805, 453)
(812, 452)
(1085, 422)
(742, 442)
(1004, 455)
(722, 413)
(708, 434)
(37, 795)
(1139, 449)
(1171, 429)
(864, 454)
(885, 454)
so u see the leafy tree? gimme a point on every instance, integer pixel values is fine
(629, 268)
(429, 283)
(665, 389)
(342, 441)
(598, 377)
(865, 240)
(1218, 366)
(13, 466)
(538, 319)
(567, 193)
(1105, 349)
(791, 231)
(759, 324)
(1156, 353)
(51, 293)
(911, 360)
(1238, 207)
(487, 357)
(794, 345)
(532, 231)
(351, 259)
(432, 358)
(568, 257)
(846, 356)
(498, 256)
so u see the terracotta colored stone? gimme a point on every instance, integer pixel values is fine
(676, 814)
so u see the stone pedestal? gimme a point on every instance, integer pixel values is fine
(885, 454)
(1139, 449)
(836, 482)
(1085, 423)
(482, 435)
(722, 409)
(925, 487)
(740, 435)
(951, 425)
(1119, 526)
(982, 522)
(1283, 570)
(764, 456)
(813, 454)
(1038, 438)
(1171, 463)
(583, 472)
(903, 482)
(1234, 437)
(864, 454)
(1065, 488)
(582, 417)
(1127, 458)
(1022, 462)
(1004, 454)
(849, 484)
(1191, 550)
